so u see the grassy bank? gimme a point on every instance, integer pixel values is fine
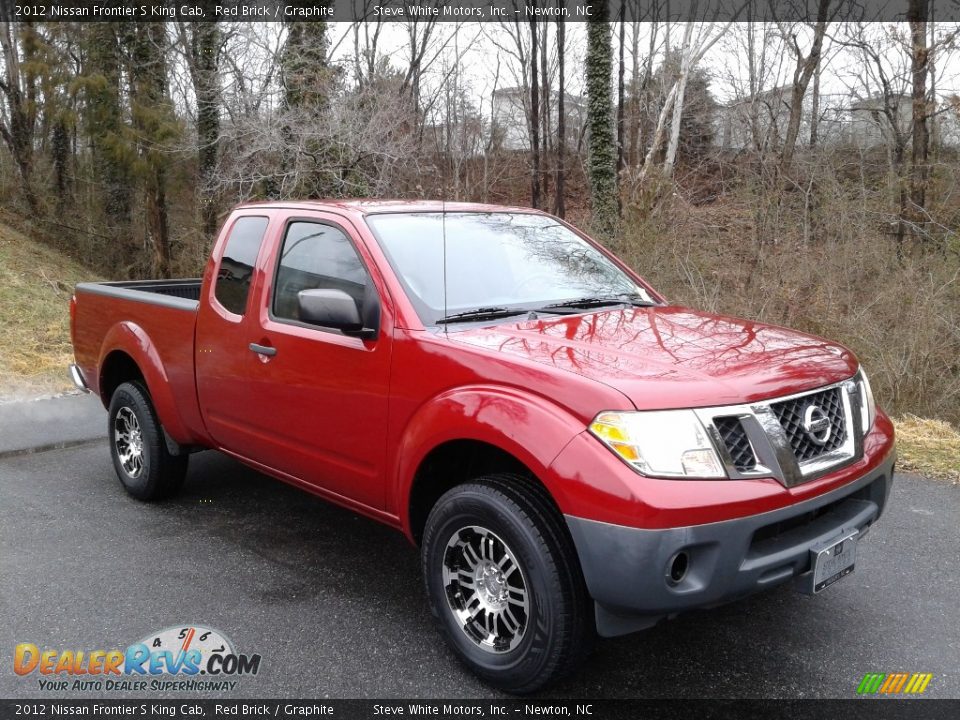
(36, 283)
(928, 447)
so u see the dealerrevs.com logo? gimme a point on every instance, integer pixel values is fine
(187, 657)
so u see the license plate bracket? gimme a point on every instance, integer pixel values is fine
(831, 562)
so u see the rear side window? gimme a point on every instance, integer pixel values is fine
(236, 267)
(316, 256)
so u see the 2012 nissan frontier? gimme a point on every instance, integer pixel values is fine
(572, 454)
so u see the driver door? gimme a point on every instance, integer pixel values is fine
(319, 397)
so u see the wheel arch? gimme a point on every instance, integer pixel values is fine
(128, 354)
(469, 432)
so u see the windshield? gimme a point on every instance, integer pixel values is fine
(496, 263)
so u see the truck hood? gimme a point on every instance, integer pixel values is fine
(674, 357)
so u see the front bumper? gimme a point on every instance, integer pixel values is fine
(627, 570)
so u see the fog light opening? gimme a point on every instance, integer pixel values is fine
(677, 568)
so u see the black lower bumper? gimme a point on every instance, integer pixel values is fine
(628, 570)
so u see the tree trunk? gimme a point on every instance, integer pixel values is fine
(815, 109)
(602, 160)
(680, 87)
(559, 184)
(657, 135)
(105, 123)
(60, 154)
(621, 120)
(806, 66)
(152, 121)
(19, 133)
(546, 138)
(633, 134)
(670, 158)
(206, 86)
(931, 70)
(919, 54)
(534, 119)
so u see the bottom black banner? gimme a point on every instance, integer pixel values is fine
(588, 709)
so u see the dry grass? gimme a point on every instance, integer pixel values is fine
(928, 447)
(36, 283)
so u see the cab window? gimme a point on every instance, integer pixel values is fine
(316, 256)
(236, 267)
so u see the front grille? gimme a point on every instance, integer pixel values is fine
(733, 436)
(791, 412)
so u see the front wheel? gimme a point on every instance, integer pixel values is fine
(505, 584)
(145, 467)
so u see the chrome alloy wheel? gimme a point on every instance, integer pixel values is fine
(128, 441)
(486, 589)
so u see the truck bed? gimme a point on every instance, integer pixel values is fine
(157, 292)
(158, 316)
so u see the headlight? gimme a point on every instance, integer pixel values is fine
(665, 443)
(868, 407)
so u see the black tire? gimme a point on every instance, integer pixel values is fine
(558, 629)
(160, 474)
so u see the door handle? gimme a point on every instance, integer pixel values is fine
(263, 349)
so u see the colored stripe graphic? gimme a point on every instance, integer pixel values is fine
(894, 683)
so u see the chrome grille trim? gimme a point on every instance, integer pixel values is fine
(790, 413)
(772, 448)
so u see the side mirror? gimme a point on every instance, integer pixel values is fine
(333, 309)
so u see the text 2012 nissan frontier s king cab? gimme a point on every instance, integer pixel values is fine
(572, 454)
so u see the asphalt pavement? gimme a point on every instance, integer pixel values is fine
(334, 603)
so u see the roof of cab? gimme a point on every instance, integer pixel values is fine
(370, 207)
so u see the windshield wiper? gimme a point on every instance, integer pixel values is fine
(586, 303)
(484, 313)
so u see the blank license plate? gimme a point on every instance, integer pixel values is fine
(833, 562)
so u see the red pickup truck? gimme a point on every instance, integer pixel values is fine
(572, 454)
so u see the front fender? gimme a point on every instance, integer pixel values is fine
(130, 338)
(527, 426)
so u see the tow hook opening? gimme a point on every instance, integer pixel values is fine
(677, 568)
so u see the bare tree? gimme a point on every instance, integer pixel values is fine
(366, 38)
(917, 13)
(805, 68)
(559, 207)
(691, 53)
(534, 119)
(359, 146)
(621, 120)
(546, 135)
(690, 56)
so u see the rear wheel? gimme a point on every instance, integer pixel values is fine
(145, 467)
(505, 584)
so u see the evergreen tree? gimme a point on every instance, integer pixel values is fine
(112, 157)
(305, 73)
(154, 126)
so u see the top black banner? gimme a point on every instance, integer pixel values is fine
(464, 10)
